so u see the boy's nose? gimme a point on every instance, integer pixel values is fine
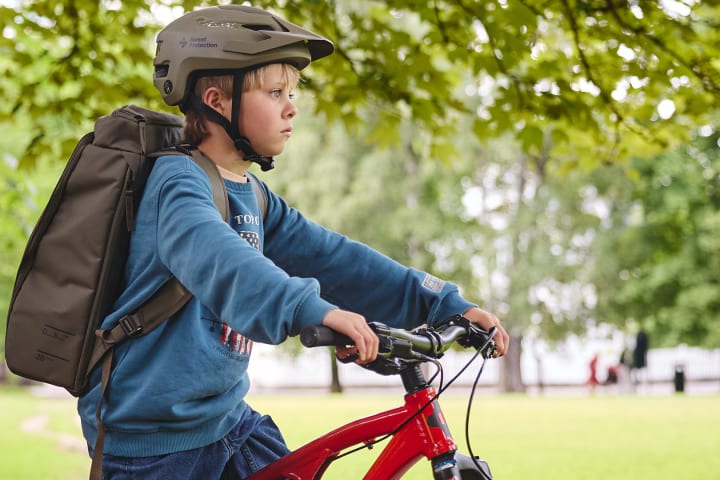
(291, 110)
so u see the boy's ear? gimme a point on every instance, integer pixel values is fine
(215, 99)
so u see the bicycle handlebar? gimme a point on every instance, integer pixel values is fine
(399, 343)
(320, 336)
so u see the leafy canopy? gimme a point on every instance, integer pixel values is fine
(600, 79)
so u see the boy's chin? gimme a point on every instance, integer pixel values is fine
(274, 153)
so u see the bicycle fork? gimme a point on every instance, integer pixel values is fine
(459, 467)
(452, 465)
(446, 462)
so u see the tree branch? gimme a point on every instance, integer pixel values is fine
(706, 80)
(604, 95)
(440, 23)
(494, 47)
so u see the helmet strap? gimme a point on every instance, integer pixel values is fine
(232, 127)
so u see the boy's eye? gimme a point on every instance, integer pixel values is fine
(278, 92)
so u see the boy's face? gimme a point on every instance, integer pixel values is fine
(266, 113)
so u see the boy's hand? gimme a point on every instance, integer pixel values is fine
(486, 321)
(354, 326)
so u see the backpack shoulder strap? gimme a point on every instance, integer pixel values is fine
(165, 303)
(218, 185)
(260, 194)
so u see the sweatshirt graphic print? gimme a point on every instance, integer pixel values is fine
(232, 344)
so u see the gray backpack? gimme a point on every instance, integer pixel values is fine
(70, 272)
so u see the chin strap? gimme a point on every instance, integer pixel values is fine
(241, 142)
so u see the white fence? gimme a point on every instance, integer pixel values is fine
(271, 368)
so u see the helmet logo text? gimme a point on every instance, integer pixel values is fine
(198, 42)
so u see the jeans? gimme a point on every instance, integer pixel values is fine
(226, 459)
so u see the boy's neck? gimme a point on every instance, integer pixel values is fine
(232, 176)
(230, 162)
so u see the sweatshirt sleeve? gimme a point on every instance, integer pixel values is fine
(354, 276)
(228, 276)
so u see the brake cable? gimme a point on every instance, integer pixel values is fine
(467, 420)
(441, 389)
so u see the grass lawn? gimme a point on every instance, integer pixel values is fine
(40, 438)
(522, 437)
(553, 437)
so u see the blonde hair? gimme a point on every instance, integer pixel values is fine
(195, 129)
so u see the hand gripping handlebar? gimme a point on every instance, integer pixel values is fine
(398, 343)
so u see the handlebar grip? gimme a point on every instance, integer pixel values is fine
(320, 336)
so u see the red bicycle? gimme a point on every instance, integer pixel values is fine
(416, 429)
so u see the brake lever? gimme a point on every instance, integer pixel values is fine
(476, 338)
(393, 355)
(488, 348)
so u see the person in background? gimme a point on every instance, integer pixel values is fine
(639, 359)
(592, 380)
(623, 370)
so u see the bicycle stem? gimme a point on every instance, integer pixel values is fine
(413, 379)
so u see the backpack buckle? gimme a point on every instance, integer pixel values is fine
(130, 326)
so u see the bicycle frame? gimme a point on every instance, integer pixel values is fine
(425, 435)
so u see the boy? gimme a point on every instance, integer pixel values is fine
(174, 407)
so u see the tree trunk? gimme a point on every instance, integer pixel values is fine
(511, 366)
(335, 386)
(540, 376)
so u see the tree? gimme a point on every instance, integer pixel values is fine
(18, 211)
(527, 241)
(385, 198)
(511, 232)
(663, 272)
(15, 203)
(568, 84)
(602, 79)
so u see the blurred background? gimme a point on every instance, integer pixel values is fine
(558, 162)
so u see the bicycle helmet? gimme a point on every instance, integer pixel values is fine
(228, 39)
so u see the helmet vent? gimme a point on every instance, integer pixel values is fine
(219, 23)
(161, 71)
(258, 28)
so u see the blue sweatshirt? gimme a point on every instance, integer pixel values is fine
(182, 386)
